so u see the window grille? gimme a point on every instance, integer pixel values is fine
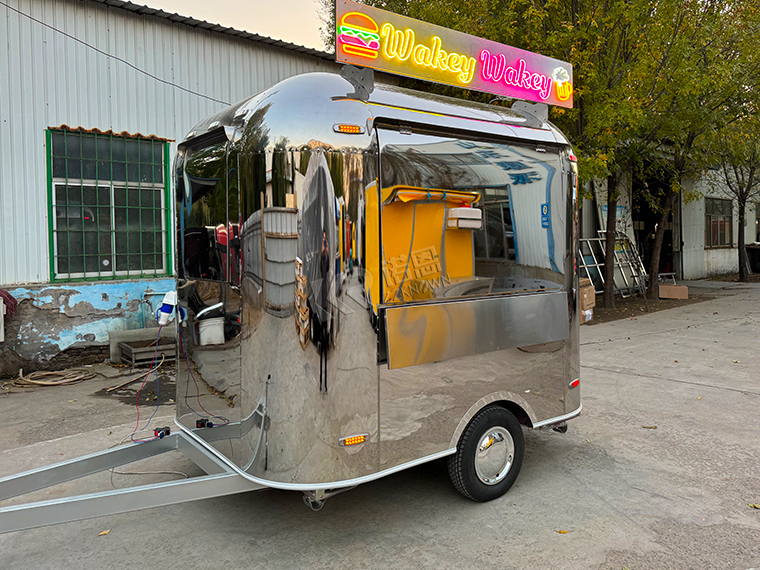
(109, 215)
(718, 222)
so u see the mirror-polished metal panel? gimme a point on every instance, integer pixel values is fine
(308, 349)
(290, 248)
(423, 333)
(501, 289)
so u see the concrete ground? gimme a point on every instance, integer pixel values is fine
(658, 472)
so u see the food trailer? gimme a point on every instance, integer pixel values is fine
(395, 282)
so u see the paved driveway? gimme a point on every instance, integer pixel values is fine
(657, 473)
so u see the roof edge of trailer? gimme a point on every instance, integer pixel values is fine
(387, 105)
(212, 27)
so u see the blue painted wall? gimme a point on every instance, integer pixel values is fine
(51, 318)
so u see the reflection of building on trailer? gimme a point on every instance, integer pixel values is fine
(482, 342)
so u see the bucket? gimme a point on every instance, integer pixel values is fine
(211, 331)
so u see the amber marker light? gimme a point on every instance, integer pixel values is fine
(349, 129)
(353, 440)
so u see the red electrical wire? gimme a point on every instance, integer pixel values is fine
(197, 388)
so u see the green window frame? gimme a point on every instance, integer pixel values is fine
(718, 223)
(109, 211)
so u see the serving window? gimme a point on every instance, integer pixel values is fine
(464, 218)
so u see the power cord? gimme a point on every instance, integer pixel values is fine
(161, 432)
(190, 375)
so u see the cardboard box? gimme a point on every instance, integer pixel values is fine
(301, 285)
(587, 294)
(586, 316)
(673, 291)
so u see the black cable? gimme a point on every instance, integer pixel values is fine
(100, 51)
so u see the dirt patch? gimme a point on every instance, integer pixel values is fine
(638, 306)
(11, 362)
(162, 392)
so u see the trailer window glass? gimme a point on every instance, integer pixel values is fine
(435, 248)
(204, 214)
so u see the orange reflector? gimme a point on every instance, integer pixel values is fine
(353, 440)
(348, 129)
(575, 383)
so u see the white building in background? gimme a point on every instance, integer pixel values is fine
(701, 236)
(94, 95)
(710, 232)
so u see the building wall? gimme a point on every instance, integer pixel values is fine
(698, 261)
(53, 318)
(50, 79)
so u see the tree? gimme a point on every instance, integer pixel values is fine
(651, 79)
(706, 73)
(739, 173)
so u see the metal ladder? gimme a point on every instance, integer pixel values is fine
(630, 275)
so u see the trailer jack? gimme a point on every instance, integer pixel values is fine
(315, 500)
(220, 480)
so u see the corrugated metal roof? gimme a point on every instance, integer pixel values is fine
(204, 25)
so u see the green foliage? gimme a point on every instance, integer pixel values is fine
(651, 78)
(738, 149)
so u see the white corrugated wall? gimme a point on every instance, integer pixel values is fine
(48, 79)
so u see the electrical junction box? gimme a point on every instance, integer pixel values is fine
(464, 218)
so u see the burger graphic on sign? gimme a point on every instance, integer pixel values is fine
(357, 35)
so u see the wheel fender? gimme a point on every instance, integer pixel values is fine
(494, 397)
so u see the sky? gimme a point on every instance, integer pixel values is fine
(295, 21)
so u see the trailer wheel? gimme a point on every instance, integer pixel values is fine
(489, 455)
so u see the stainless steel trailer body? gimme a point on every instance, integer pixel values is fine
(370, 345)
(375, 281)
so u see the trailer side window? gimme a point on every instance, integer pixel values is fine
(204, 223)
(466, 218)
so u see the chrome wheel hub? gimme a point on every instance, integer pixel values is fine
(494, 455)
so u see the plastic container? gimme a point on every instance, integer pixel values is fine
(211, 331)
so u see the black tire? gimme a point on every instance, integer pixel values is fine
(462, 469)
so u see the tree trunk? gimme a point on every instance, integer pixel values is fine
(743, 273)
(654, 266)
(609, 244)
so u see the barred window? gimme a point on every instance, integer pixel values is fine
(108, 206)
(718, 222)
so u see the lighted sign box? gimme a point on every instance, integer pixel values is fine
(370, 37)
